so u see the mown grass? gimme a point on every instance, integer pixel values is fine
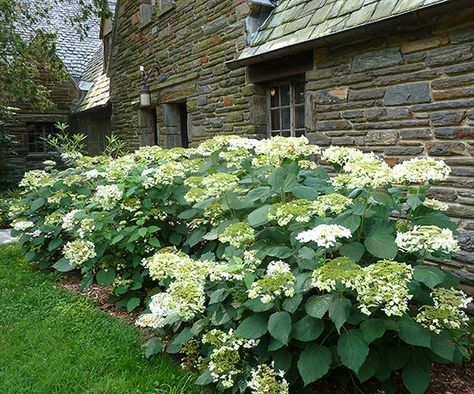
(52, 341)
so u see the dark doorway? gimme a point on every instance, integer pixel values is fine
(183, 124)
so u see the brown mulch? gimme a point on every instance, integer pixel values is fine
(446, 379)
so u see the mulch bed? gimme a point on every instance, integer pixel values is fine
(452, 379)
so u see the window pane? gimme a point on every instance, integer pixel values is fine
(274, 97)
(285, 118)
(275, 113)
(299, 132)
(286, 133)
(285, 95)
(275, 133)
(299, 93)
(299, 117)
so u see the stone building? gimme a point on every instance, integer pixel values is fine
(390, 76)
(82, 100)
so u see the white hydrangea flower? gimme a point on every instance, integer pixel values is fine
(366, 171)
(93, 174)
(340, 155)
(277, 281)
(421, 170)
(79, 251)
(22, 225)
(238, 235)
(436, 205)
(325, 235)
(427, 239)
(162, 175)
(265, 380)
(36, 179)
(69, 220)
(213, 185)
(107, 196)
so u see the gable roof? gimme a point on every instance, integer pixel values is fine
(295, 22)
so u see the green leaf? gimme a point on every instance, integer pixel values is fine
(352, 222)
(353, 250)
(279, 326)
(429, 276)
(417, 375)
(132, 303)
(142, 231)
(413, 333)
(443, 345)
(282, 252)
(381, 245)
(105, 277)
(117, 239)
(259, 217)
(196, 237)
(372, 329)
(292, 304)
(283, 360)
(352, 349)
(339, 311)
(218, 296)
(204, 379)
(64, 265)
(153, 346)
(317, 306)
(256, 305)
(307, 329)
(370, 366)
(314, 363)
(86, 281)
(437, 219)
(54, 244)
(253, 327)
(37, 204)
(306, 192)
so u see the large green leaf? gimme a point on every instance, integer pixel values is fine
(64, 265)
(307, 329)
(317, 306)
(443, 345)
(259, 217)
(306, 192)
(37, 204)
(417, 374)
(279, 326)
(372, 329)
(430, 276)
(381, 245)
(352, 349)
(253, 327)
(314, 363)
(413, 333)
(105, 277)
(353, 250)
(54, 244)
(339, 311)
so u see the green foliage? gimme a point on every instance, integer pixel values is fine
(193, 236)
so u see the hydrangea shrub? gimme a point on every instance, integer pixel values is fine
(263, 270)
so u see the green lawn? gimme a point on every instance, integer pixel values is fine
(52, 341)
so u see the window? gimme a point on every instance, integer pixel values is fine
(36, 135)
(286, 107)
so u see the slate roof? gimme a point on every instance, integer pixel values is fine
(97, 95)
(298, 21)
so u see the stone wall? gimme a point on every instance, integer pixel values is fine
(406, 95)
(190, 40)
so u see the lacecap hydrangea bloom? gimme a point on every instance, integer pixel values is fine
(332, 204)
(435, 205)
(36, 179)
(367, 171)
(341, 271)
(427, 239)
(300, 211)
(225, 142)
(22, 225)
(226, 355)
(210, 186)
(162, 175)
(278, 281)
(265, 380)
(238, 235)
(161, 306)
(421, 170)
(340, 155)
(325, 235)
(107, 196)
(447, 311)
(79, 251)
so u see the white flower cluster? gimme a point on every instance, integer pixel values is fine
(69, 220)
(325, 235)
(332, 204)
(22, 225)
(225, 142)
(367, 171)
(79, 251)
(162, 305)
(341, 271)
(210, 186)
(429, 239)
(435, 205)
(107, 196)
(277, 281)
(447, 312)
(238, 235)
(36, 179)
(384, 285)
(265, 380)
(273, 151)
(340, 155)
(162, 175)
(225, 357)
(94, 174)
(421, 170)
(299, 210)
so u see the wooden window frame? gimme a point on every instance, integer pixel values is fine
(291, 106)
(33, 128)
